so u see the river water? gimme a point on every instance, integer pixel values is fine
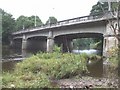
(13, 56)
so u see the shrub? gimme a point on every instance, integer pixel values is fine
(26, 80)
(36, 71)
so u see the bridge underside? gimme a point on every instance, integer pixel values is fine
(36, 44)
(40, 43)
(65, 41)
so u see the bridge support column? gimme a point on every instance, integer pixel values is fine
(110, 42)
(24, 45)
(50, 42)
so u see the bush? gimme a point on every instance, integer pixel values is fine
(54, 65)
(25, 80)
(36, 71)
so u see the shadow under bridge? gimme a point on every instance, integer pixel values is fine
(37, 44)
(66, 41)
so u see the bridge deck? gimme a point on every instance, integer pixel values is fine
(72, 21)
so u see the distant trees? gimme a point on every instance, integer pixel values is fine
(87, 43)
(8, 26)
(24, 22)
(51, 20)
(98, 8)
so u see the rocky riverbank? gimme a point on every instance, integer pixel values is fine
(86, 82)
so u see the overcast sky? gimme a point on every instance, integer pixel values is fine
(61, 9)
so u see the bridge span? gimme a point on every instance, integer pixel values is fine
(63, 32)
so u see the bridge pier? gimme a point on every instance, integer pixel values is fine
(24, 46)
(50, 42)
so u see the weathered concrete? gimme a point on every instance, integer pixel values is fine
(110, 40)
(87, 26)
(24, 46)
(50, 42)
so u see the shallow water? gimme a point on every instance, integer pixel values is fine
(9, 65)
(14, 56)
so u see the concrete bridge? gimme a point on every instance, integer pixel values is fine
(63, 32)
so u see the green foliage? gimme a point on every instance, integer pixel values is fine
(87, 43)
(54, 65)
(36, 71)
(97, 45)
(83, 43)
(8, 26)
(98, 8)
(113, 54)
(27, 22)
(51, 20)
(25, 80)
(57, 49)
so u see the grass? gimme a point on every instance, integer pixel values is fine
(39, 69)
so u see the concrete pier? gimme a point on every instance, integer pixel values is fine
(50, 42)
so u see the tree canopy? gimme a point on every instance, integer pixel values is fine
(98, 8)
(8, 26)
(27, 22)
(101, 8)
(51, 20)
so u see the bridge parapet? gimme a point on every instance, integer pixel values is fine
(62, 23)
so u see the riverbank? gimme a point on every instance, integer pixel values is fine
(86, 82)
(55, 70)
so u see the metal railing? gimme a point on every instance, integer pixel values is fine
(62, 23)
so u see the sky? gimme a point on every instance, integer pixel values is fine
(60, 9)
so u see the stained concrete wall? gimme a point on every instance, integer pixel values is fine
(110, 41)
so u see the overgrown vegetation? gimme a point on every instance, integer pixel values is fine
(112, 64)
(113, 56)
(39, 69)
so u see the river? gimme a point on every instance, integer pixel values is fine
(13, 56)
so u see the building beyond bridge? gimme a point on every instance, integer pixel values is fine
(63, 32)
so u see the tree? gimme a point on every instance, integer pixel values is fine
(8, 26)
(24, 22)
(51, 20)
(38, 21)
(83, 43)
(97, 9)
(114, 25)
(117, 33)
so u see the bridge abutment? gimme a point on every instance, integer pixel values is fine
(110, 40)
(110, 44)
